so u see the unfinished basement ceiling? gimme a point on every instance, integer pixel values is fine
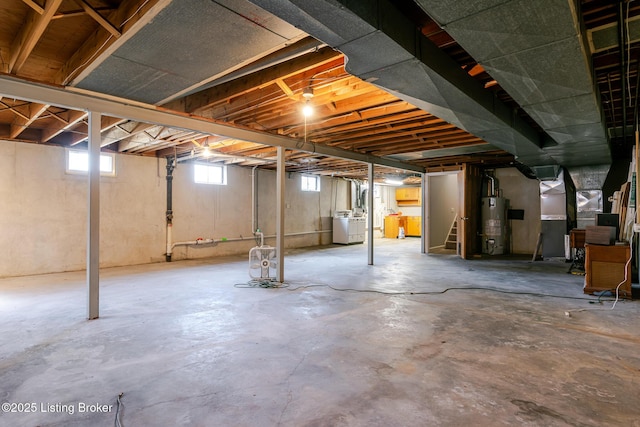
(488, 92)
(187, 43)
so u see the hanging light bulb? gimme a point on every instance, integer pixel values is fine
(307, 93)
(207, 151)
(307, 110)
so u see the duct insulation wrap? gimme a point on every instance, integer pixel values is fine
(494, 225)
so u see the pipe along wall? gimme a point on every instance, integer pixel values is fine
(316, 221)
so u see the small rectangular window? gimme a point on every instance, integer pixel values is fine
(310, 183)
(78, 162)
(210, 174)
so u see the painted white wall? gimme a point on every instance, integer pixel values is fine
(523, 193)
(443, 206)
(224, 211)
(43, 222)
(44, 209)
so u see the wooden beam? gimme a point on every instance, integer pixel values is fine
(72, 117)
(121, 132)
(74, 13)
(21, 122)
(475, 70)
(17, 88)
(286, 89)
(208, 97)
(15, 111)
(35, 6)
(29, 35)
(106, 123)
(99, 18)
(99, 45)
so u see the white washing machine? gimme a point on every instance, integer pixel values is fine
(348, 230)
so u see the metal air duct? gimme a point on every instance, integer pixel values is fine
(588, 181)
(384, 48)
(536, 50)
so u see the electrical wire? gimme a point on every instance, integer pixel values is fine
(289, 287)
(261, 283)
(626, 270)
(628, 53)
(118, 421)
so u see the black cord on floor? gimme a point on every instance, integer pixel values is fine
(261, 283)
(270, 284)
(118, 422)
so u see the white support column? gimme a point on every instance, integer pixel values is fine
(370, 214)
(93, 220)
(280, 175)
(424, 219)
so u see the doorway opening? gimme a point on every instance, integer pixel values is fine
(443, 207)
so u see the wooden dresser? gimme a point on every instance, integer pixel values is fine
(605, 269)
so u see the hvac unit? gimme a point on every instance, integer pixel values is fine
(262, 261)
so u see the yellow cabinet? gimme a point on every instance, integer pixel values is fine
(414, 226)
(408, 196)
(392, 224)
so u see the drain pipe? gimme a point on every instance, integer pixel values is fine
(171, 164)
(215, 241)
(254, 200)
(622, 43)
(492, 185)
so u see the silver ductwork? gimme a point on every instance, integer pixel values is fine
(536, 50)
(557, 212)
(589, 181)
(553, 199)
(546, 172)
(383, 47)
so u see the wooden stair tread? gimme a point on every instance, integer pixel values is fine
(452, 238)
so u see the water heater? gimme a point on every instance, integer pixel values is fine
(494, 225)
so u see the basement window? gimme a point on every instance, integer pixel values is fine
(310, 183)
(210, 174)
(78, 162)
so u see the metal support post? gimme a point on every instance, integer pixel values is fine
(424, 219)
(93, 229)
(370, 214)
(171, 165)
(280, 194)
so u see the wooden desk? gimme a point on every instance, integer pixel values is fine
(605, 269)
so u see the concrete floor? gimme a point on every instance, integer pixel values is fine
(186, 347)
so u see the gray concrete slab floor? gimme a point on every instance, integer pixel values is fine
(187, 347)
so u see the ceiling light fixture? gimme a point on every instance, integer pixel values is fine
(206, 152)
(307, 110)
(307, 93)
(393, 181)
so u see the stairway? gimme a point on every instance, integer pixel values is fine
(452, 237)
